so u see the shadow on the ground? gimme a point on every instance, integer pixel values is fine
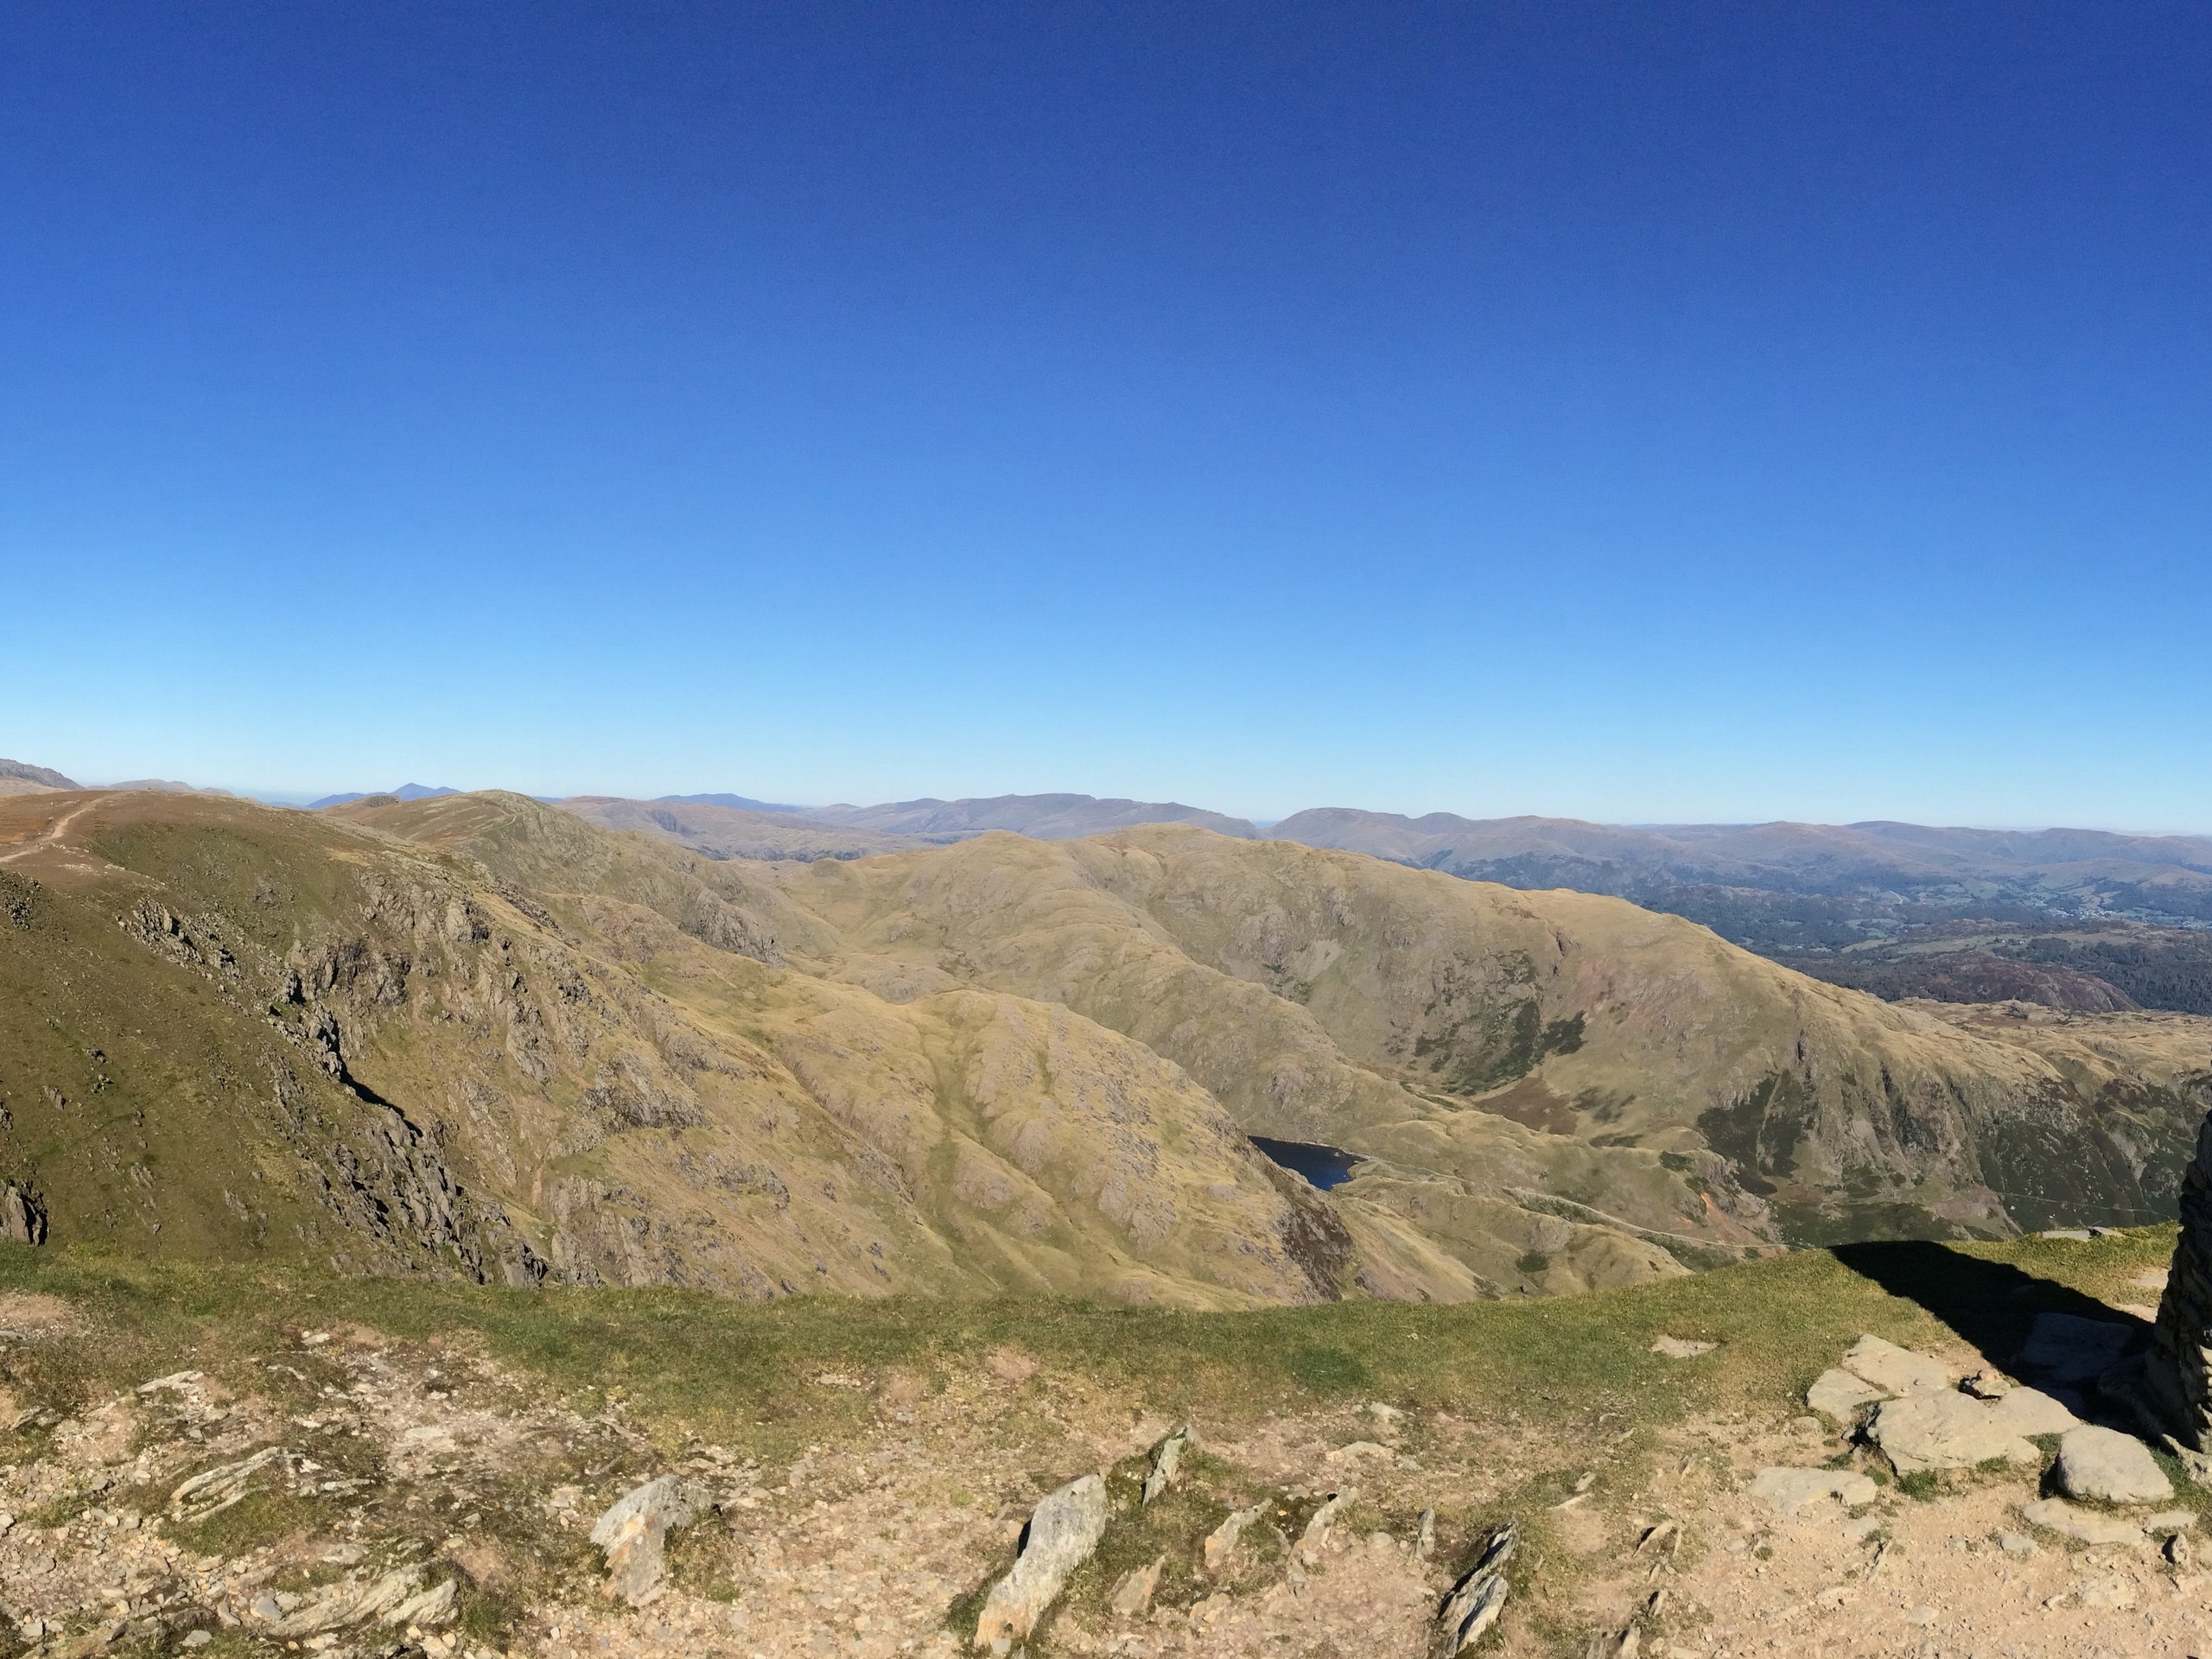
(1989, 1304)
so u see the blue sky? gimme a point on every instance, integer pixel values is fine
(1636, 412)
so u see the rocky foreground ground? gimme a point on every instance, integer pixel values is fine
(349, 1492)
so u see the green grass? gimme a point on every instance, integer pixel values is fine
(688, 1363)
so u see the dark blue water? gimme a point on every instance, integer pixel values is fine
(1324, 1166)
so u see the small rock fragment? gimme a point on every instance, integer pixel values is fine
(2177, 1550)
(1165, 1462)
(1660, 1534)
(1986, 1384)
(1478, 1599)
(2106, 1467)
(1133, 1595)
(1681, 1347)
(1221, 1542)
(2018, 1545)
(1425, 1535)
(1063, 1531)
(634, 1533)
(1315, 1538)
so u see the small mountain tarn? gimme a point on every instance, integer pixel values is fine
(1323, 1166)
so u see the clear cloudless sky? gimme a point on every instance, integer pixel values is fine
(1636, 411)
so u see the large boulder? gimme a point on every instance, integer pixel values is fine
(2106, 1467)
(2179, 1374)
(1063, 1531)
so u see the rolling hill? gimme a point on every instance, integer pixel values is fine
(477, 1035)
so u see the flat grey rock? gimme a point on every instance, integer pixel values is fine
(1681, 1347)
(2067, 1349)
(2107, 1466)
(2083, 1526)
(1838, 1394)
(1787, 1491)
(634, 1532)
(1946, 1430)
(1900, 1370)
(2031, 1411)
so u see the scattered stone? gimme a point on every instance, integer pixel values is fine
(2068, 1349)
(1425, 1535)
(2177, 1551)
(198, 1638)
(1356, 1451)
(1165, 1462)
(1221, 1542)
(1922, 1616)
(176, 1382)
(1945, 1431)
(212, 1490)
(1788, 1490)
(1476, 1601)
(2106, 1467)
(2030, 1412)
(1659, 1536)
(1315, 1538)
(1133, 1595)
(1681, 1347)
(2018, 1545)
(2077, 1234)
(1623, 1643)
(1838, 1394)
(2083, 1526)
(1986, 1384)
(396, 1598)
(1388, 1416)
(1900, 1370)
(1062, 1532)
(634, 1532)
(2169, 1521)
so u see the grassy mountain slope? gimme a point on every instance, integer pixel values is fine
(477, 1034)
(324, 1040)
(1405, 1013)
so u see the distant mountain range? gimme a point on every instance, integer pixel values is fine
(404, 793)
(2073, 918)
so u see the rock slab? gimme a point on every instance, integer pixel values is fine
(1838, 1394)
(1062, 1532)
(1946, 1430)
(2083, 1526)
(2106, 1467)
(1899, 1370)
(1786, 1491)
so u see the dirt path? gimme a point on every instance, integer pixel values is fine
(48, 837)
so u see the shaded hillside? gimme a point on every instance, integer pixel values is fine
(2112, 965)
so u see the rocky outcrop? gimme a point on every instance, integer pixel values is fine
(2179, 1371)
(1063, 1531)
